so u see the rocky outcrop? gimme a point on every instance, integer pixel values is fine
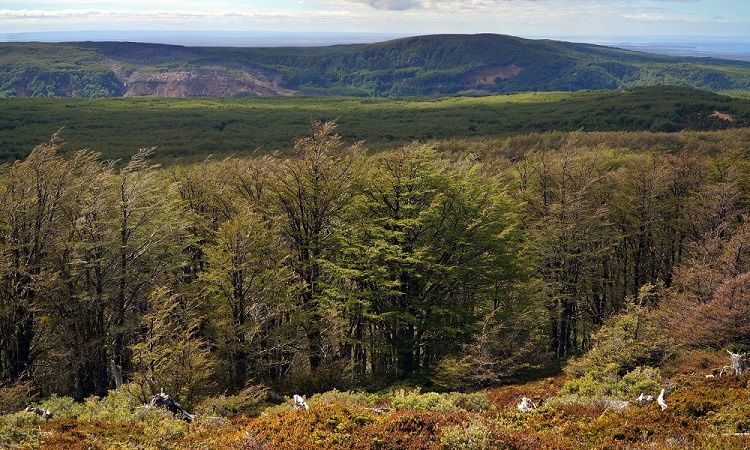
(200, 84)
(491, 75)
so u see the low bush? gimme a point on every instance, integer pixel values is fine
(471, 436)
(440, 402)
(248, 402)
(15, 397)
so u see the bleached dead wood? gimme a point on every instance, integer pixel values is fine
(299, 402)
(39, 412)
(660, 400)
(644, 400)
(526, 405)
(738, 362)
(116, 374)
(163, 400)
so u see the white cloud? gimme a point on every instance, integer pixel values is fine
(395, 5)
(528, 18)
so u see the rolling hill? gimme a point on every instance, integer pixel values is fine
(423, 65)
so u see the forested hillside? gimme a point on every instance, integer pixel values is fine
(422, 65)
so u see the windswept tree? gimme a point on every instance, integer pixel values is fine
(33, 196)
(78, 305)
(171, 354)
(249, 289)
(310, 191)
(149, 242)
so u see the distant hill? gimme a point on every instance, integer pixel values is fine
(424, 65)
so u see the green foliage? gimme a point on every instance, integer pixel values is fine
(173, 357)
(247, 402)
(359, 398)
(605, 383)
(188, 130)
(625, 342)
(415, 400)
(465, 263)
(472, 436)
(429, 401)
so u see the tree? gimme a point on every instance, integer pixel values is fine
(172, 356)
(78, 305)
(248, 289)
(708, 305)
(310, 192)
(149, 244)
(432, 249)
(32, 199)
(570, 240)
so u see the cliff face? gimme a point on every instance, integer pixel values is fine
(192, 84)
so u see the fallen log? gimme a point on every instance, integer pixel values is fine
(40, 412)
(162, 400)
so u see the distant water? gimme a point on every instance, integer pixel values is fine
(713, 47)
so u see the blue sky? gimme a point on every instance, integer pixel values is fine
(525, 18)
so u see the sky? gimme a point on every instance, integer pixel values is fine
(580, 20)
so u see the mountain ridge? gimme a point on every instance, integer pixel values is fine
(418, 65)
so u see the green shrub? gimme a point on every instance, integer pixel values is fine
(475, 402)
(605, 383)
(472, 436)
(443, 403)
(642, 380)
(348, 397)
(63, 407)
(117, 406)
(416, 401)
(247, 402)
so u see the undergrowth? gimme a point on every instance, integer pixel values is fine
(598, 410)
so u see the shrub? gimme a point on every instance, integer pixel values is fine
(117, 406)
(416, 401)
(472, 436)
(15, 397)
(646, 380)
(626, 341)
(63, 407)
(247, 402)
(606, 383)
(348, 397)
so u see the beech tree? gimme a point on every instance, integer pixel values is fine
(78, 305)
(32, 197)
(249, 290)
(149, 245)
(310, 191)
(432, 245)
(570, 239)
(170, 353)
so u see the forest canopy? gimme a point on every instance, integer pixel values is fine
(459, 265)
